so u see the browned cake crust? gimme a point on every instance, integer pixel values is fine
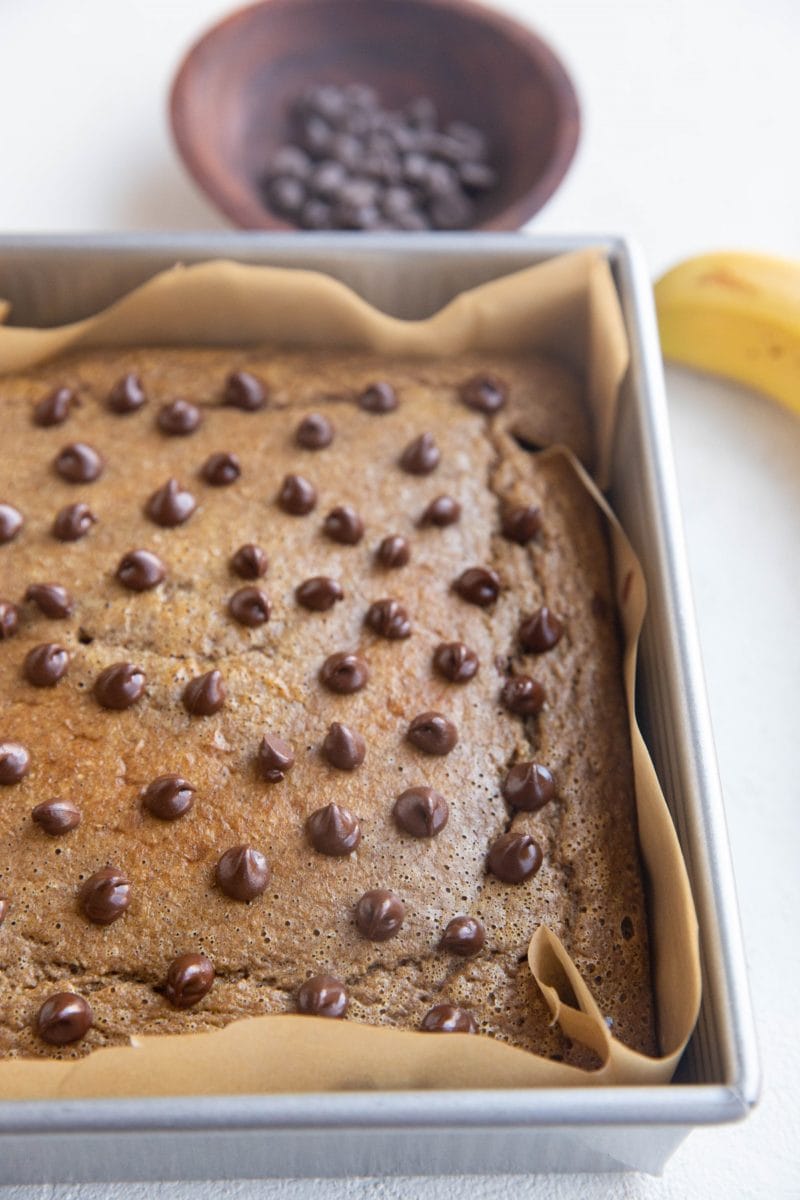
(588, 888)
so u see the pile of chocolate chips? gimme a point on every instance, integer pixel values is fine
(355, 165)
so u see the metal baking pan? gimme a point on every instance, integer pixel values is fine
(50, 280)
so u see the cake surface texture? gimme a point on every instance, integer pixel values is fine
(370, 636)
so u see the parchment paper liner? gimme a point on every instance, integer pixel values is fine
(567, 306)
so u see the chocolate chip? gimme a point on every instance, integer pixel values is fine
(127, 395)
(521, 522)
(476, 176)
(421, 456)
(446, 1018)
(379, 915)
(11, 521)
(249, 562)
(63, 1018)
(343, 524)
(297, 496)
(442, 511)
(57, 816)
(54, 408)
(119, 686)
(286, 195)
(333, 830)
(344, 747)
(179, 418)
(484, 393)
(73, 522)
(168, 797)
(314, 432)
(388, 618)
(463, 936)
(221, 469)
(249, 606)
(394, 551)
(105, 896)
(245, 391)
(51, 599)
(421, 811)
(523, 696)
(432, 733)
(478, 585)
(140, 570)
(205, 694)
(9, 619)
(5, 905)
(46, 664)
(514, 857)
(189, 979)
(540, 632)
(242, 873)
(378, 398)
(528, 786)
(170, 505)
(290, 160)
(78, 463)
(275, 758)
(322, 996)
(328, 178)
(455, 661)
(15, 762)
(344, 672)
(319, 593)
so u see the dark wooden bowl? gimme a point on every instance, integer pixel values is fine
(230, 97)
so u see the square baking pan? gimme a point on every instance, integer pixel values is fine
(52, 280)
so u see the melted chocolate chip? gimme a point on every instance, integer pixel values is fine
(379, 915)
(64, 1018)
(119, 686)
(105, 896)
(388, 618)
(189, 979)
(244, 391)
(343, 524)
(275, 758)
(432, 733)
(51, 599)
(249, 562)
(322, 996)
(168, 797)
(297, 496)
(421, 811)
(421, 456)
(249, 606)
(78, 463)
(170, 505)
(446, 1018)
(221, 469)
(242, 873)
(484, 393)
(46, 664)
(540, 632)
(333, 830)
(455, 661)
(521, 522)
(205, 694)
(378, 398)
(394, 551)
(463, 936)
(344, 747)
(11, 521)
(523, 696)
(344, 672)
(528, 786)
(478, 585)
(314, 432)
(57, 816)
(127, 395)
(140, 570)
(319, 593)
(15, 762)
(441, 512)
(73, 522)
(514, 857)
(9, 619)
(179, 418)
(54, 408)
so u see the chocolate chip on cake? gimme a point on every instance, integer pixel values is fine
(64, 1018)
(463, 936)
(478, 585)
(446, 1018)
(73, 522)
(379, 915)
(523, 696)
(297, 496)
(378, 398)
(78, 463)
(275, 758)
(170, 505)
(57, 817)
(394, 551)
(179, 418)
(421, 812)
(105, 896)
(168, 797)
(127, 395)
(521, 523)
(205, 694)
(189, 979)
(15, 762)
(529, 786)
(44, 665)
(333, 830)
(9, 619)
(514, 857)
(245, 391)
(484, 393)
(249, 606)
(51, 599)
(221, 469)
(249, 562)
(319, 593)
(314, 432)
(541, 631)
(11, 521)
(421, 456)
(389, 619)
(343, 524)
(344, 747)
(242, 873)
(54, 408)
(344, 672)
(119, 686)
(140, 570)
(455, 662)
(432, 733)
(322, 996)
(5, 905)
(441, 512)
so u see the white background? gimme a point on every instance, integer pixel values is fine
(690, 143)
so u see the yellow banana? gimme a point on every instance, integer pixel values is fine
(736, 315)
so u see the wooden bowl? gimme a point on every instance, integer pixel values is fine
(231, 96)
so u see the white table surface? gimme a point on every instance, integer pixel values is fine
(690, 143)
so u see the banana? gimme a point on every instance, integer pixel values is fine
(736, 315)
